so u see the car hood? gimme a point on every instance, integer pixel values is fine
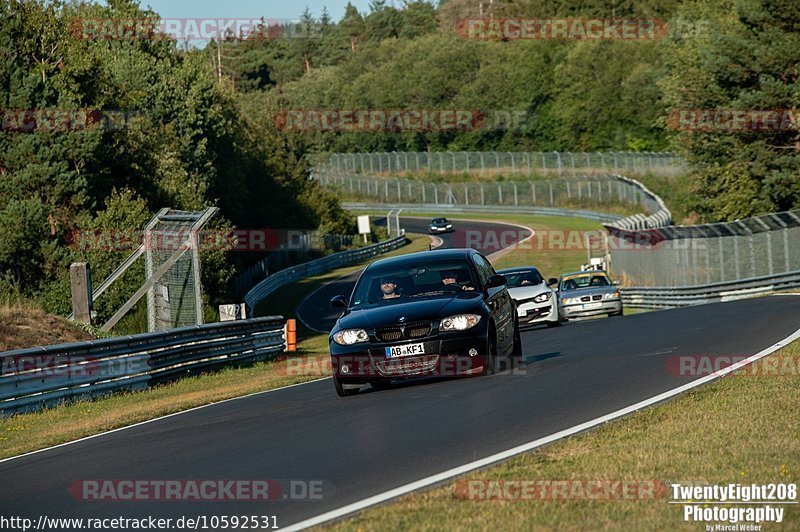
(588, 291)
(527, 292)
(429, 309)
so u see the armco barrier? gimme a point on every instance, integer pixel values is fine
(259, 292)
(684, 296)
(35, 378)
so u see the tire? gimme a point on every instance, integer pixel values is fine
(552, 324)
(490, 361)
(517, 352)
(340, 391)
(620, 313)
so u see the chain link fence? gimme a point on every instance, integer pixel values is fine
(507, 163)
(561, 192)
(679, 256)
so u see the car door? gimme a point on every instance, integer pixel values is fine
(499, 300)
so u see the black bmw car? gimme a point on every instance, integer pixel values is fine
(440, 225)
(432, 314)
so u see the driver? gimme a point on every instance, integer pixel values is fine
(389, 288)
(450, 278)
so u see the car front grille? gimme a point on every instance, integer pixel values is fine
(597, 298)
(403, 332)
(406, 366)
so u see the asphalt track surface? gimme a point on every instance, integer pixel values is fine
(367, 444)
(316, 313)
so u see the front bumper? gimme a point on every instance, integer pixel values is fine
(586, 310)
(533, 313)
(446, 355)
(437, 230)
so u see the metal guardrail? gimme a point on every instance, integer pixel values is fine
(40, 377)
(660, 217)
(443, 209)
(683, 296)
(269, 285)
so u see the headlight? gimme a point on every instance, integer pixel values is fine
(351, 336)
(449, 226)
(541, 298)
(462, 322)
(570, 301)
(614, 295)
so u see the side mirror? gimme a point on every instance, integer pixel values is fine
(552, 281)
(339, 302)
(616, 283)
(495, 281)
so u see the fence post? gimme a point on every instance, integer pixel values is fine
(499, 194)
(483, 197)
(81, 284)
(514, 183)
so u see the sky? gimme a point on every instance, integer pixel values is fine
(269, 9)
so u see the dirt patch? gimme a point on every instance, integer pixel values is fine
(23, 327)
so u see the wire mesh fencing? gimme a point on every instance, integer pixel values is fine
(560, 192)
(507, 163)
(678, 256)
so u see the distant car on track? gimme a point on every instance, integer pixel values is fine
(440, 225)
(435, 313)
(536, 301)
(588, 293)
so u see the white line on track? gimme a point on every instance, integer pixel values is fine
(504, 455)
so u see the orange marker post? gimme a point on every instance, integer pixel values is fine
(291, 335)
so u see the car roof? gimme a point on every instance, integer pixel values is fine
(584, 272)
(413, 258)
(519, 269)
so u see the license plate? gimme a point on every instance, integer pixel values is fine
(592, 306)
(405, 350)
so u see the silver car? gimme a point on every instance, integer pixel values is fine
(536, 301)
(588, 293)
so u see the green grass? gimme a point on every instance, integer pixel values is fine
(741, 429)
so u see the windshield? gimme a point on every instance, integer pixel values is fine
(523, 278)
(402, 283)
(437, 221)
(584, 280)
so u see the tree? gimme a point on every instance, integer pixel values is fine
(353, 24)
(737, 56)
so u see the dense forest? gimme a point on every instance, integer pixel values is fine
(200, 125)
